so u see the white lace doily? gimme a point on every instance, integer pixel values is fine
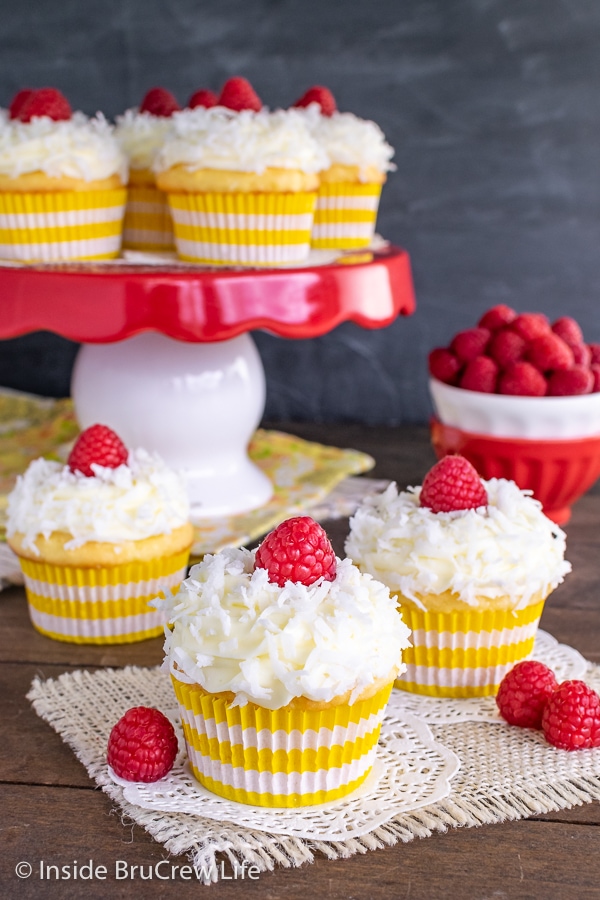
(565, 662)
(412, 770)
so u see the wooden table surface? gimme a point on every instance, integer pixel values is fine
(52, 812)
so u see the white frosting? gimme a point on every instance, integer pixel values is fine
(75, 148)
(245, 141)
(233, 630)
(141, 135)
(509, 549)
(350, 141)
(129, 503)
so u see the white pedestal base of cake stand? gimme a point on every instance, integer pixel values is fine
(196, 404)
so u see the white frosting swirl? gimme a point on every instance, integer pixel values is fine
(349, 140)
(509, 549)
(245, 141)
(233, 630)
(132, 502)
(75, 148)
(141, 135)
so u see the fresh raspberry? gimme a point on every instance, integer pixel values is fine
(444, 365)
(97, 445)
(577, 380)
(470, 343)
(16, 104)
(568, 329)
(297, 550)
(549, 352)
(142, 745)
(322, 96)
(595, 370)
(522, 380)
(595, 351)
(159, 102)
(496, 317)
(481, 374)
(45, 102)
(571, 719)
(238, 94)
(204, 98)
(582, 355)
(507, 347)
(523, 693)
(531, 325)
(452, 484)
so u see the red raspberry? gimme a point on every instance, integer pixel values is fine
(142, 745)
(568, 329)
(595, 370)
(481, 374)
(582, 355)
(507, 347)
(45, 102)
(159, 102)
(470, 343)
(237, 94)
(452, 484)
(297, 550)
(577, 380)
(444, 365)
(571, 719)
(531, 325)
(320, 95)
(16, 104)
(523, 693)
(595, 351)
(98, 445)
(550, 352)
(204, 98)
(496, 317)
(522, 380)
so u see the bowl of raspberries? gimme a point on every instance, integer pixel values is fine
(519, 397)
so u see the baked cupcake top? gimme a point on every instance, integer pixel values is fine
(245, 141)
(507, 549)
(80, 147)
(235, 630)
(348, 140)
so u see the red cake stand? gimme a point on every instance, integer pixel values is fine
(167, 359)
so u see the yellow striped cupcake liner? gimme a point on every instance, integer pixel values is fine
(110, 605)
(54, 227)
(345, 215)
(287, 757)
(465, 654)
(148, 224)
(243, 229)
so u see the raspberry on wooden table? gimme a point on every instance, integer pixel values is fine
(444, 365)
(322, 96)
(571, 719)
(524, 692)
(452, 484)
(204, 98)
(45, 102)
(531, 325)
(159, 102)
(100, 445)
(507, 347)
(550, 352)
(470, 343)
(497, 316)
(238, 94)
(481, 374)
(522, 380)
(142, 745)
(577, 380)
(568, 329)
(297, 550)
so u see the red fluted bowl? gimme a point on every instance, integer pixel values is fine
(558, 472)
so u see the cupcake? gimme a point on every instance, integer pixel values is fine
(241, 181)
(98, 539)
(141, 132)
(62, 178)
(282, 662)
(350, 187)
(471, 563)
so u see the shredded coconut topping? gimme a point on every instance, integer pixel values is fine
(141, 135)
(130, 503)
(348, 140)
(233, 630)
(511, 549)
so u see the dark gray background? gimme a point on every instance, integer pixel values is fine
(493, 107)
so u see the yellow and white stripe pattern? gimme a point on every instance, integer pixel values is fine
(287, 757)
(345, 215)
(241, 229)
(59, 226)
(148, 224)
(109, 605)
(465, 654)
